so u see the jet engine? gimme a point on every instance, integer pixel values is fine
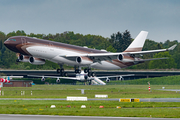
(36, 61)
(107, 80)
(125, 58)
(23, 58)
(43, 79)
(121, 78)
(84, 60)
(58, 80)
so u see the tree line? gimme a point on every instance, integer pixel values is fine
(117, 42)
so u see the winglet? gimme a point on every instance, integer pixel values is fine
(172, 47)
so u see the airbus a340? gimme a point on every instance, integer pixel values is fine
(36, 51)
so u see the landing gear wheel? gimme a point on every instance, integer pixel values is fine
(85, 70)
(62, 70)
(89, 70)
(89, 74)
(77, 71)
(65, 74)
(93, 74)
(58, 71)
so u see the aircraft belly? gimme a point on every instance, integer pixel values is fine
(42, 52)
(105, 65)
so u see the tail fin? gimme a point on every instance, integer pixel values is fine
(138, 42)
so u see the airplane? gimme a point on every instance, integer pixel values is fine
(4, 80)
(36, 51)
(83, 77)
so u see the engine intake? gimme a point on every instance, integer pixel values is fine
(125, 58)
(84, 60)
(120, 57)
(23, 58)
(107, 80)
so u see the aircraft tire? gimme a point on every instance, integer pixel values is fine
(93, 74)
(65, 74)
(58, 71)
(62, 70)
(89, 70)
(85, 70)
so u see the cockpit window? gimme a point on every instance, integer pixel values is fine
(11, 39)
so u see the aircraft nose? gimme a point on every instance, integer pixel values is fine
(6, 43)
(11, 44)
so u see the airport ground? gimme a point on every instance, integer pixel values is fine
(126, 109)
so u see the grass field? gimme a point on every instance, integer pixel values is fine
(139, 109)
(113, 91)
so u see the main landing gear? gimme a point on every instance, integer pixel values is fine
(77, 70)
(89, 71)
(61, 71)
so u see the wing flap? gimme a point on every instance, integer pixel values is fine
(143, 60)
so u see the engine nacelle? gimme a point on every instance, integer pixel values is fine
(43, 79)
(125, 58)
(84, 60)
(23, 58)
(58, 80)
(121, 78)
(36, 61)
(107, 80)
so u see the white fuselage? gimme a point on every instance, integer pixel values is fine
(54, 54)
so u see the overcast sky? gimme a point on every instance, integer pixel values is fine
(161, 18)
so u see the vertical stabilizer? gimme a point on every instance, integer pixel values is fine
(138, 42)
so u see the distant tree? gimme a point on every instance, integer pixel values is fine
(2, 39)
(121, 41)
(162, 64)
(111, 49)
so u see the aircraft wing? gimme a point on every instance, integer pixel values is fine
(54, 77)
(98, 57)
(116, 76)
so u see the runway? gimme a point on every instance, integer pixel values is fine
(49, 117)
(106, 99)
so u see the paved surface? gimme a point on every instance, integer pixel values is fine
(107, 99)
(48, 117)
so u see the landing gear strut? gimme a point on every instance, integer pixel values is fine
(61, 71)
(89, 71)
(77, 70)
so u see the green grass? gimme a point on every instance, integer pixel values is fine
(113, 91)
(140, 109)
(166, 80)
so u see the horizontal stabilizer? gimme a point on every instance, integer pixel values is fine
(150, 59)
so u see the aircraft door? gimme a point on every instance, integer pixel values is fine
(23, 40)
